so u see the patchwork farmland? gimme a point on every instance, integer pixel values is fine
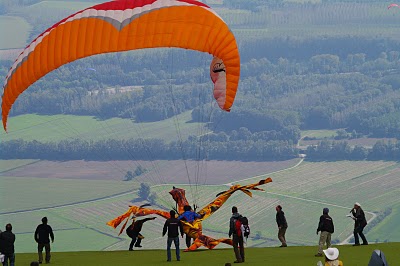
(302, 189)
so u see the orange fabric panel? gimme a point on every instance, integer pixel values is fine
(189, 27)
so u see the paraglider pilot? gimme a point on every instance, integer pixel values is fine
(133, 231)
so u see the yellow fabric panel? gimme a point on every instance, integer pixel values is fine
(189, 27)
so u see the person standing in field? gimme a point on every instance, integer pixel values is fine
(171, 225)
(133, 231)
(42, 236)
(359, 223)
(282, 225)
(7, 239)
(326, 227)
(237, 237)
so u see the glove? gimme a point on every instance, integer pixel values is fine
(317, 232)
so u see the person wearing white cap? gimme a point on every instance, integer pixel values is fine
(332, 257)
(359, 223)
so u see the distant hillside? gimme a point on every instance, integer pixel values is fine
(305, 66)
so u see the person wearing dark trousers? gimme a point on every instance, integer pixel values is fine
(237, 237)
(171, 225)
(359, 223)
(326, 227)
(189, 216)
(133, 231)
(282, 225)
(7, 239)
(43, 233)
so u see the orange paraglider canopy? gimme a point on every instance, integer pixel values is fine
(128, 25)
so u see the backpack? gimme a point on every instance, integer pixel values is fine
(245, 225)
(242, 226)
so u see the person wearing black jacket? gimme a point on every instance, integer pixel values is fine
(171, 225)
(359, 223)
(7, 239)
(133, 231)
(43, 233)
(282, 225)
(326, 227)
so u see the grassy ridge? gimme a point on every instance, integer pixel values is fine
(299, 256)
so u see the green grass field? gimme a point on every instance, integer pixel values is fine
(61, 127)
(319, 134)
(16, 29)
(299, 256)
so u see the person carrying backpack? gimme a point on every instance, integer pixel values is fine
(235, 230)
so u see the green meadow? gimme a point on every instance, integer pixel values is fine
(319, 134)
(60, 127)
(9, 26)
(299, 256)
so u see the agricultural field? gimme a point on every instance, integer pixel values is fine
(16, 29)
(386, 231)
(302, 190)
(7, 165)
(28, 193)
(61, 127)
(319, 134)
(159, 172)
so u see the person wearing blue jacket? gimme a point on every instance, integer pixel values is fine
(189, 216)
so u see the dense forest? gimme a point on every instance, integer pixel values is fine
(288, 84)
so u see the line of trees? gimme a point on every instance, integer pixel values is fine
(217, 147)
(151, 149)
(341, 150)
